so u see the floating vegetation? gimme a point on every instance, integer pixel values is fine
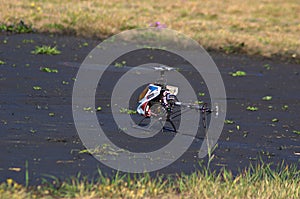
(229, 122)
(238, 73)
(87, 108)
(48, 50)
(267, 98)
(252, 108)
(201, 94)
(48, 70)
(127, 111)
(120, 65)
(267, 66)
(285, 107)
(296, 132)
(36, 88)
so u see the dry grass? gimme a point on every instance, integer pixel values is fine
(256, 27)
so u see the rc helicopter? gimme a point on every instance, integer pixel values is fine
(159, 102)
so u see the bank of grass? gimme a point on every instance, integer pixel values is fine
(269, 27)
(256, 182)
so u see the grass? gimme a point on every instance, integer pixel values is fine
(267, 98)
(20, 27)
(238, 73)
(37, 88)
(252, 108)
(120, 65)
(127, 111)
(285, 107)
(229, 122)
(49, 70)
(48, 50)
(256, 182)
(268, 28)
(296, 132)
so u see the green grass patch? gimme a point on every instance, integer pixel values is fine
(267, 66)
(49, 70)
(48, 50)
(267, 98)
(65, 82)
(255, 182)
(229, 122)
(28, 41)
(233, 48)
(201, 94)
(120, 64)
(88, 108)
(252, 108)
(127, 111)
(285, 107)
(296, 132)
(238, 73)
(37, 88)
(20, 27)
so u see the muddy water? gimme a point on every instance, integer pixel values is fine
(36, 126)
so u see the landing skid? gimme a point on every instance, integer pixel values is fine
(163, 127)
(162, 116)
(171, 129)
